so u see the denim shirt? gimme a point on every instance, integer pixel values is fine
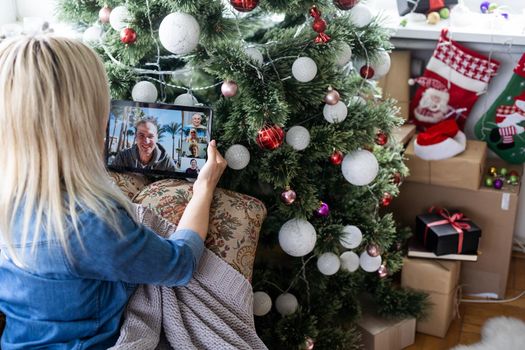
(58, 303)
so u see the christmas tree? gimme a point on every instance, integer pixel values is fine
(303, 127)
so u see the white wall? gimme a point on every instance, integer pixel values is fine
(13, 10)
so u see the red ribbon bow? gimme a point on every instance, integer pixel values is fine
(319, 26)
(454, 220)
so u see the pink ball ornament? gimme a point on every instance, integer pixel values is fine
(103, 14)
(332, 97)
(323, 210)
(382, 271)
(229, 88)
(309, 343)
(288, 196)
(373, 250)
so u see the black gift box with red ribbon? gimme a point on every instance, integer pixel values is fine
(447, 232)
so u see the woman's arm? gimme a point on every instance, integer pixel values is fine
(197, 213)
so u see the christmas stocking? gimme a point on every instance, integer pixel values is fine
(454, 78)
(502, 126)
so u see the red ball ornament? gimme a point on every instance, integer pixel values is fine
(366, 72)
(345, 4)
(288, 196)
(337, 158)
(244, 5)
(381, 138)
(270, 137)
(128, 36)
(319, 25)
(396, 179)
(103, 14)
(386, 200)
(514, 173)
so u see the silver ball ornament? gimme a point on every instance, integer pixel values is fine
(297, 237)
(360, 167)
(304, 69)
(336, 113)
(144, 91)
(229, 88)
(255, 55)
(298, 137)
(179, 33)
(262, 303)
(328, 264)
(370, 263)
(351, 237)
(119, 18)
(237, 156)
(92, 36)
(344, 55)
(349, 261)
(286, 304)
(186, 99)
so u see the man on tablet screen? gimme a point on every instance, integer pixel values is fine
(146, 153)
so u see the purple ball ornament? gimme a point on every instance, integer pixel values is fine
(229, 88)
(484, 6)
(498, 184)
(323, 210)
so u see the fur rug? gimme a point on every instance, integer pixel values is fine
(499, 333)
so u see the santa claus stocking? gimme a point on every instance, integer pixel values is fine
(454, 78)
(502, 126)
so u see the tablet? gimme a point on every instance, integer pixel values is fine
(157, 139)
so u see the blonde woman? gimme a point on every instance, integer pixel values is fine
(70, 250)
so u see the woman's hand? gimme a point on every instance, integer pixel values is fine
(211, 172)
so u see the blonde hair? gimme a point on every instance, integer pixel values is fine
(54, 105)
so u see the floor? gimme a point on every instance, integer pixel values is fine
(466, 330)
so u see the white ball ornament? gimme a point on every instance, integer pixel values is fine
(360, 167)
(92, 36)
(298, 137)
(255, 55)
(179, 33)
(144, 91)
(304, 69)
(335, 113)
(119, 18)
(357, 100)
(262, 303)
(286, 304)
(344, 55)
(237, 157)
(186, 99)
(370, 263)
(360, 15)
(328, 264)
(297, 237)
(349, 261)
(382, 65)
(351, 237)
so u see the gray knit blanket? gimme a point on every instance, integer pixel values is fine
(214, 311)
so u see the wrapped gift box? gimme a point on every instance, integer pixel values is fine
(381, 334)
(443, 232)
(439, 279)
(463, 171)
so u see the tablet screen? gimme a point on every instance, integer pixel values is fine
(157, 139)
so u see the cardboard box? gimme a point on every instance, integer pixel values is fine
(381, 334)
(440, 280)
(493, 210)
(404, 133)
(395, 83)
(463, 171)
